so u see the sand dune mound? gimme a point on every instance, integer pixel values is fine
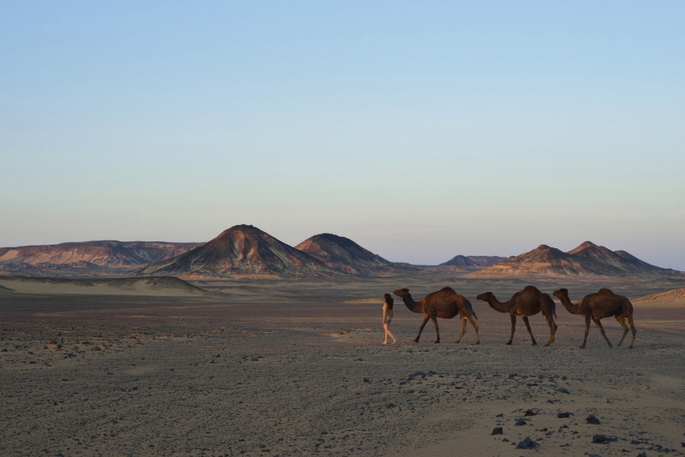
(674, 298)
(168, 286)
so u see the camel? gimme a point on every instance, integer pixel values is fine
(524, 303)
(597, 306)
(445, 304)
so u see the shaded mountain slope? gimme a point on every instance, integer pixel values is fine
(344, 254)
(241, 251)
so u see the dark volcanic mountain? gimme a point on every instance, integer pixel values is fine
(85, 258)
(473, 261)
(344, 254)
(587, 260)
(241, 251)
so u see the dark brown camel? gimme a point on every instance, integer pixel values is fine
(524, 303)
(445, 304)
(597, 306)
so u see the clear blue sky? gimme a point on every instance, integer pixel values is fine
(421, 130)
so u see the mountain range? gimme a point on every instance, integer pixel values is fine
(587, 260)
(86, 258)
(246, 251)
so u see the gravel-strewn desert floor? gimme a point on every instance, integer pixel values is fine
(255, 371)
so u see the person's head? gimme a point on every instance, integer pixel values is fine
(389, 300)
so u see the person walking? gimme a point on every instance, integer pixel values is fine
(387, 317)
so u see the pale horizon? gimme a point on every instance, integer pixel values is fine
(419, 131)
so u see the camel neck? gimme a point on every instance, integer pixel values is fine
(409, 302)
(498, 305)
(568, 304)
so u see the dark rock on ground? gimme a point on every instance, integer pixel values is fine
(527, 444)
(591, 419)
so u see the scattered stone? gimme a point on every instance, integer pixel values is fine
(497, 431)
(530, 412)
(367, 380)
(527, 444)
(562, 390)
(520, 422)
(563, 415)
(591, 419)
(642, 454)
(601, 439)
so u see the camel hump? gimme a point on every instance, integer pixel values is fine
(605, 291)
(447, 289)
(531, 289)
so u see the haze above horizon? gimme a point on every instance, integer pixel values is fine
(418, 130)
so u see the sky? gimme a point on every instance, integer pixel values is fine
(420, 130)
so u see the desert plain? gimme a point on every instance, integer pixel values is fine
(264, 367)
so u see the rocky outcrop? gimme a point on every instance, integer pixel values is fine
(86, 258)
(241, 251)
(587, 260)
(344, 254)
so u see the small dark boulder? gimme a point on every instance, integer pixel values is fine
(530, 412)
(497, 431)
(520, 422)
(563, 415)
(527, 444)
(601, 439)
(591, 419)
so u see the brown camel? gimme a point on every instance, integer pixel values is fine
(524, 303)
(445, 304)
(597, 306)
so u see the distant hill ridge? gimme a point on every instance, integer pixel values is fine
(241, 251)
(245, 251)
(587, 260)
(344, 254)
(86, 257)
(473, 261)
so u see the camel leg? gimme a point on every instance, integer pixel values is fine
(552, 329)
(621, 320)
(425, 319)
(437, 330)
(475, 327)
(601, 330)
(587, 331)
(632, 329)
(525, 319)
(513, 328)
(463, 329)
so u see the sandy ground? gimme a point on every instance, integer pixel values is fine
(275, 369)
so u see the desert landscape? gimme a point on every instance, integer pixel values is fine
(278, 367)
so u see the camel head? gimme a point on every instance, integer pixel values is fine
(561, 293)
(485, 297)
(402, 292)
